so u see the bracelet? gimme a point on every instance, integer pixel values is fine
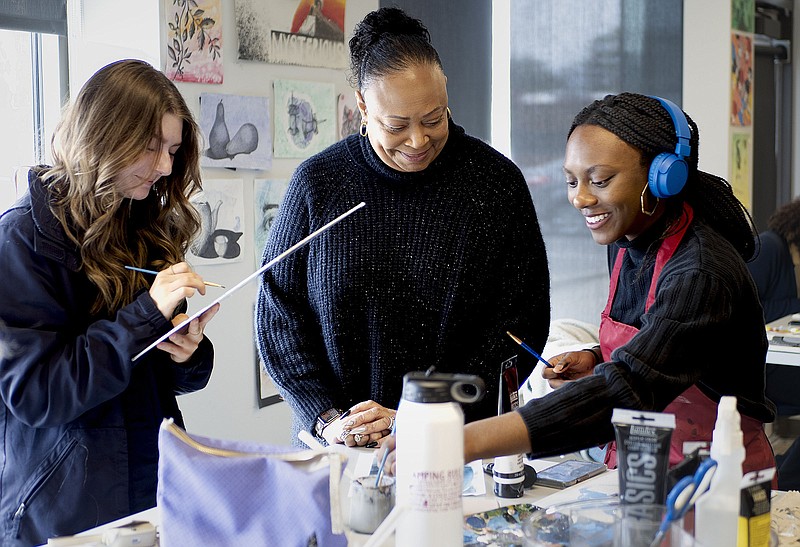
(598, 357)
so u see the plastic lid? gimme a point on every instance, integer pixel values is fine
(433, 387)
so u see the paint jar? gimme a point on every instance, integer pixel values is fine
(370, 503)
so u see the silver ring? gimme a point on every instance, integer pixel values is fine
(391, 422)
(343, 435)
(357, 437)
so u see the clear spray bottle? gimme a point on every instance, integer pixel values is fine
(717, 511)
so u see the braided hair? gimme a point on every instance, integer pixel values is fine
(388, 41)
(643, 123)
(785, 221)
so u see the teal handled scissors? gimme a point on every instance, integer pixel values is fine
(684, 495)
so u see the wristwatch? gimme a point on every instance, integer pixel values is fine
(325, 419)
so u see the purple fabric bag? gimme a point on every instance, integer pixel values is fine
(227, 493)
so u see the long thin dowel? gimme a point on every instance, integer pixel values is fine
(247, 279)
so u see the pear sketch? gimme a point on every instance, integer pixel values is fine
(218, 137)
(244, 141)
(222, 146)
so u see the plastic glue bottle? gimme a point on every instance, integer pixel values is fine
(717, 511)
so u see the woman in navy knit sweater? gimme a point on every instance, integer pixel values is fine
(446, 256)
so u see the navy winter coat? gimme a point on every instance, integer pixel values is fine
(79, 420)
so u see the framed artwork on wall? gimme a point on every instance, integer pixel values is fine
(194, 41)
(305, 118)
(268, 195)
(237, 131)
(266, 392)
(221, 209)
(306, 33)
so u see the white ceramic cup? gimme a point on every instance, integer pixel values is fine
(369, 504)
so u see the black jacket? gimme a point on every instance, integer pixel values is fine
(79, 419)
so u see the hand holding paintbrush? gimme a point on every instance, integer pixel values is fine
(153, 272)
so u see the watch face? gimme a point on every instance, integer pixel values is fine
(329, 415)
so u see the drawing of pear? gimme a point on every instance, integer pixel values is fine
(218, 137)
(244, 141)
(222, 146)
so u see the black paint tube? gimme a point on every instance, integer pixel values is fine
(642, 454)
(508, 471)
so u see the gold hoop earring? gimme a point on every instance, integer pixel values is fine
(641, 202)
(363, 129)
(449, 114)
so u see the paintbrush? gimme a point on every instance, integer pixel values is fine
(529, 349)
(153, 272)
(383, 460)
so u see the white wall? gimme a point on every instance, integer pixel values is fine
(706, 78)
(227, 407)
(706, 82)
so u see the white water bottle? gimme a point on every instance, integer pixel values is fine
(430, 457)
(717, 511)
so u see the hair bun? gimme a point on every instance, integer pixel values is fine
(392, 21)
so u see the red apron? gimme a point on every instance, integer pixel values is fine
(695, 413)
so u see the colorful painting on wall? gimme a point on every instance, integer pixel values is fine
(293, 32)
(348, 115)
(268, 195)
(236, 130)
(741, 155)
(221, 208)
(743, 15)
(305, 118)
(741, 79)
(194, 41)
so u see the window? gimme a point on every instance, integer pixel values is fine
(30, 104)
(563, 55)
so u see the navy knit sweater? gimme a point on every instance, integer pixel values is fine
(432, 272)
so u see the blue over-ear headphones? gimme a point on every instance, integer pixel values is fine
(669, 171)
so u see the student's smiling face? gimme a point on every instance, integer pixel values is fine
(605, 179)
(406, 114)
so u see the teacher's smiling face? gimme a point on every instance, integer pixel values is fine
(406, 116)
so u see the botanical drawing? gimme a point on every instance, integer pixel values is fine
(194, 42)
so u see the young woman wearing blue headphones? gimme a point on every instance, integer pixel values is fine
(683, 324)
